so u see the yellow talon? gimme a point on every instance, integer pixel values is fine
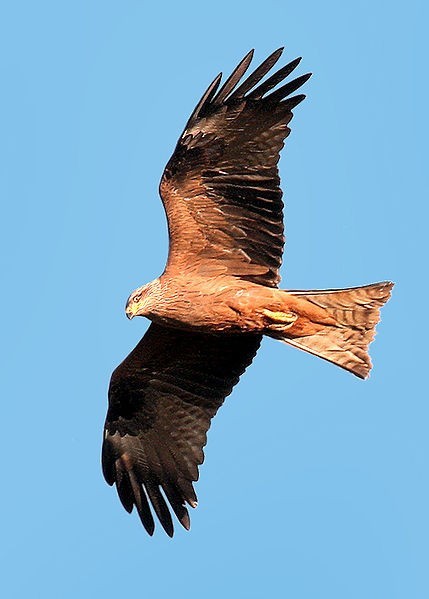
(286, 317)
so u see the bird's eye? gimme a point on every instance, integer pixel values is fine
(136, 299)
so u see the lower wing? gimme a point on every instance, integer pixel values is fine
(161, 401)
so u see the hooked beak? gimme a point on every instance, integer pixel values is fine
(132, 309)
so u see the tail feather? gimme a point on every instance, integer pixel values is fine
(356, 312)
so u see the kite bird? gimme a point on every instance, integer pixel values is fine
(218, 295)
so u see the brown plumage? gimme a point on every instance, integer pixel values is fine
(218, 294)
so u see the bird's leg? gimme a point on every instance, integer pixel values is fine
(284, 319)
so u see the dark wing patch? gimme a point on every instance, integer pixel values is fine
(221, 188)
(161, 401)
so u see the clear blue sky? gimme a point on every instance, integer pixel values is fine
(315, 483)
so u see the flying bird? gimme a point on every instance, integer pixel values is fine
(218, 295)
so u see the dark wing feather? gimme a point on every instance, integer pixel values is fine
(257, 75)
(274, 80)
(221, 188)
(161, 401)
(233, 79)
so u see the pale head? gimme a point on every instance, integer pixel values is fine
(140, 301)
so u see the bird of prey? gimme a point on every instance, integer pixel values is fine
(219, 295)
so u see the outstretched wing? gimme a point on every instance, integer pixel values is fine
(221, 188)
(161, 400)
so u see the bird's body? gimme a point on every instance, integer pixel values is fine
(218, 295)
(224, 304)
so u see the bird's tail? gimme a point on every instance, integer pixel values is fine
(343, 335)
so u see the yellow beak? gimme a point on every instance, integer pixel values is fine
(132, 309)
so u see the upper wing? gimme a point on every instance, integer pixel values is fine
(221, 188)
(161, 400)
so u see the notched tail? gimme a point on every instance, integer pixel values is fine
(355, 313)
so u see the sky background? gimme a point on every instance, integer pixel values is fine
(315, 483)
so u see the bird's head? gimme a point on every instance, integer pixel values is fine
(137, 303)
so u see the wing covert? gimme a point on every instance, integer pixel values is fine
(221, 188)
(161, 401)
